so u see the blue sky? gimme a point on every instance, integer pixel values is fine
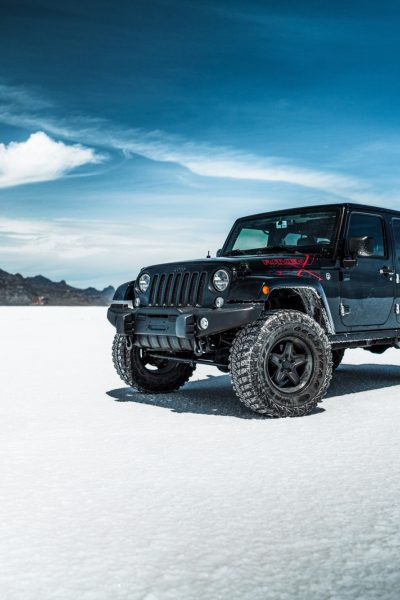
(135, 132)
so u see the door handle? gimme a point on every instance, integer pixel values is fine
(387, 271)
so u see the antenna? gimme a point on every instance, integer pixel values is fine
(208, 254)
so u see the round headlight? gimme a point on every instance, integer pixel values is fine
(221, 280)
(144, 282)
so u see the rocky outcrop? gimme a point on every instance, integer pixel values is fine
(16, 290)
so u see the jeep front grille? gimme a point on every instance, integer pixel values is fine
(177, 289)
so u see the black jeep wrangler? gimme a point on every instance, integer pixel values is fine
(287, 293)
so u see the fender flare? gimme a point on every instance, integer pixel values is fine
(125, 291)
(314, 299)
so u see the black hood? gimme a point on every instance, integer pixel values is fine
(262, 263)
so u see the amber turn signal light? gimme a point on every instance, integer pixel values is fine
(265, 290)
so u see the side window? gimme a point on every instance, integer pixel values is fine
(368, 225)
(396, 236)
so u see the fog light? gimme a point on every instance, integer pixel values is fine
(219, 302)
(137, 302)
(203, 323)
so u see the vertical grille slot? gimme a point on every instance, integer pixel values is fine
(153, 290)
(168, 290)
(175, 288)
(192, 287)
(184, 289)
(200, 288)
(160, 290)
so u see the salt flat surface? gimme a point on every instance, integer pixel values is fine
(107, 494)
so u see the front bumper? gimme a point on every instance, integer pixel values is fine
(181, 323)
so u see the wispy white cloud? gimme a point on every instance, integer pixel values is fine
(208, 160)
(40, 158)
(222, 162)
(205, 160)
(21, 98)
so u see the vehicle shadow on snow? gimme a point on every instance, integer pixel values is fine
(211, 396)
(214, 395)
(352, 379)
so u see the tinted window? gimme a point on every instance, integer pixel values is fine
(396, 236)
(368, 225)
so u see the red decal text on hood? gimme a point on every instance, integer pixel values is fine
(297, 263)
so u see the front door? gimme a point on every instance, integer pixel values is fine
(367, 289)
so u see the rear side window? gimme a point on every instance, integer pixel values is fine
(368, 225)
(396, 236)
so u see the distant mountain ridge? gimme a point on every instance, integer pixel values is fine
(16, 290)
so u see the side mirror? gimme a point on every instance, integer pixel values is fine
(219, 252)
(358, 246)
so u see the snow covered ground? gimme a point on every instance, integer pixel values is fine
(107, 494)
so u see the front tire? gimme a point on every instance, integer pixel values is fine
(146, 374)
(281, 365)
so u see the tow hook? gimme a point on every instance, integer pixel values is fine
(199, 348)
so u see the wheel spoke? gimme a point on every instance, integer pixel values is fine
(299, 359)
(294, 377)
(279, 376)
(275, 359)
(289, 350)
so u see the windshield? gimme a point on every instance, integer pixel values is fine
(289, 232)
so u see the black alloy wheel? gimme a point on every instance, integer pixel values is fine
(289, 364)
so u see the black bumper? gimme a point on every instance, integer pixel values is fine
(181, 323)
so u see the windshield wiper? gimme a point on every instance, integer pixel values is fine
(235, 252)
(314, 248)
(261, 251)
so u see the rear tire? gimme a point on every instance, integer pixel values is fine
(146, 374)
(281, 365)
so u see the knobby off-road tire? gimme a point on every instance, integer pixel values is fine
(281, 365)
(145, 374)
(337, 357)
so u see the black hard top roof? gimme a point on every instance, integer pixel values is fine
(340, 205)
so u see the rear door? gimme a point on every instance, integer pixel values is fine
(396, 250)
(367, 289)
